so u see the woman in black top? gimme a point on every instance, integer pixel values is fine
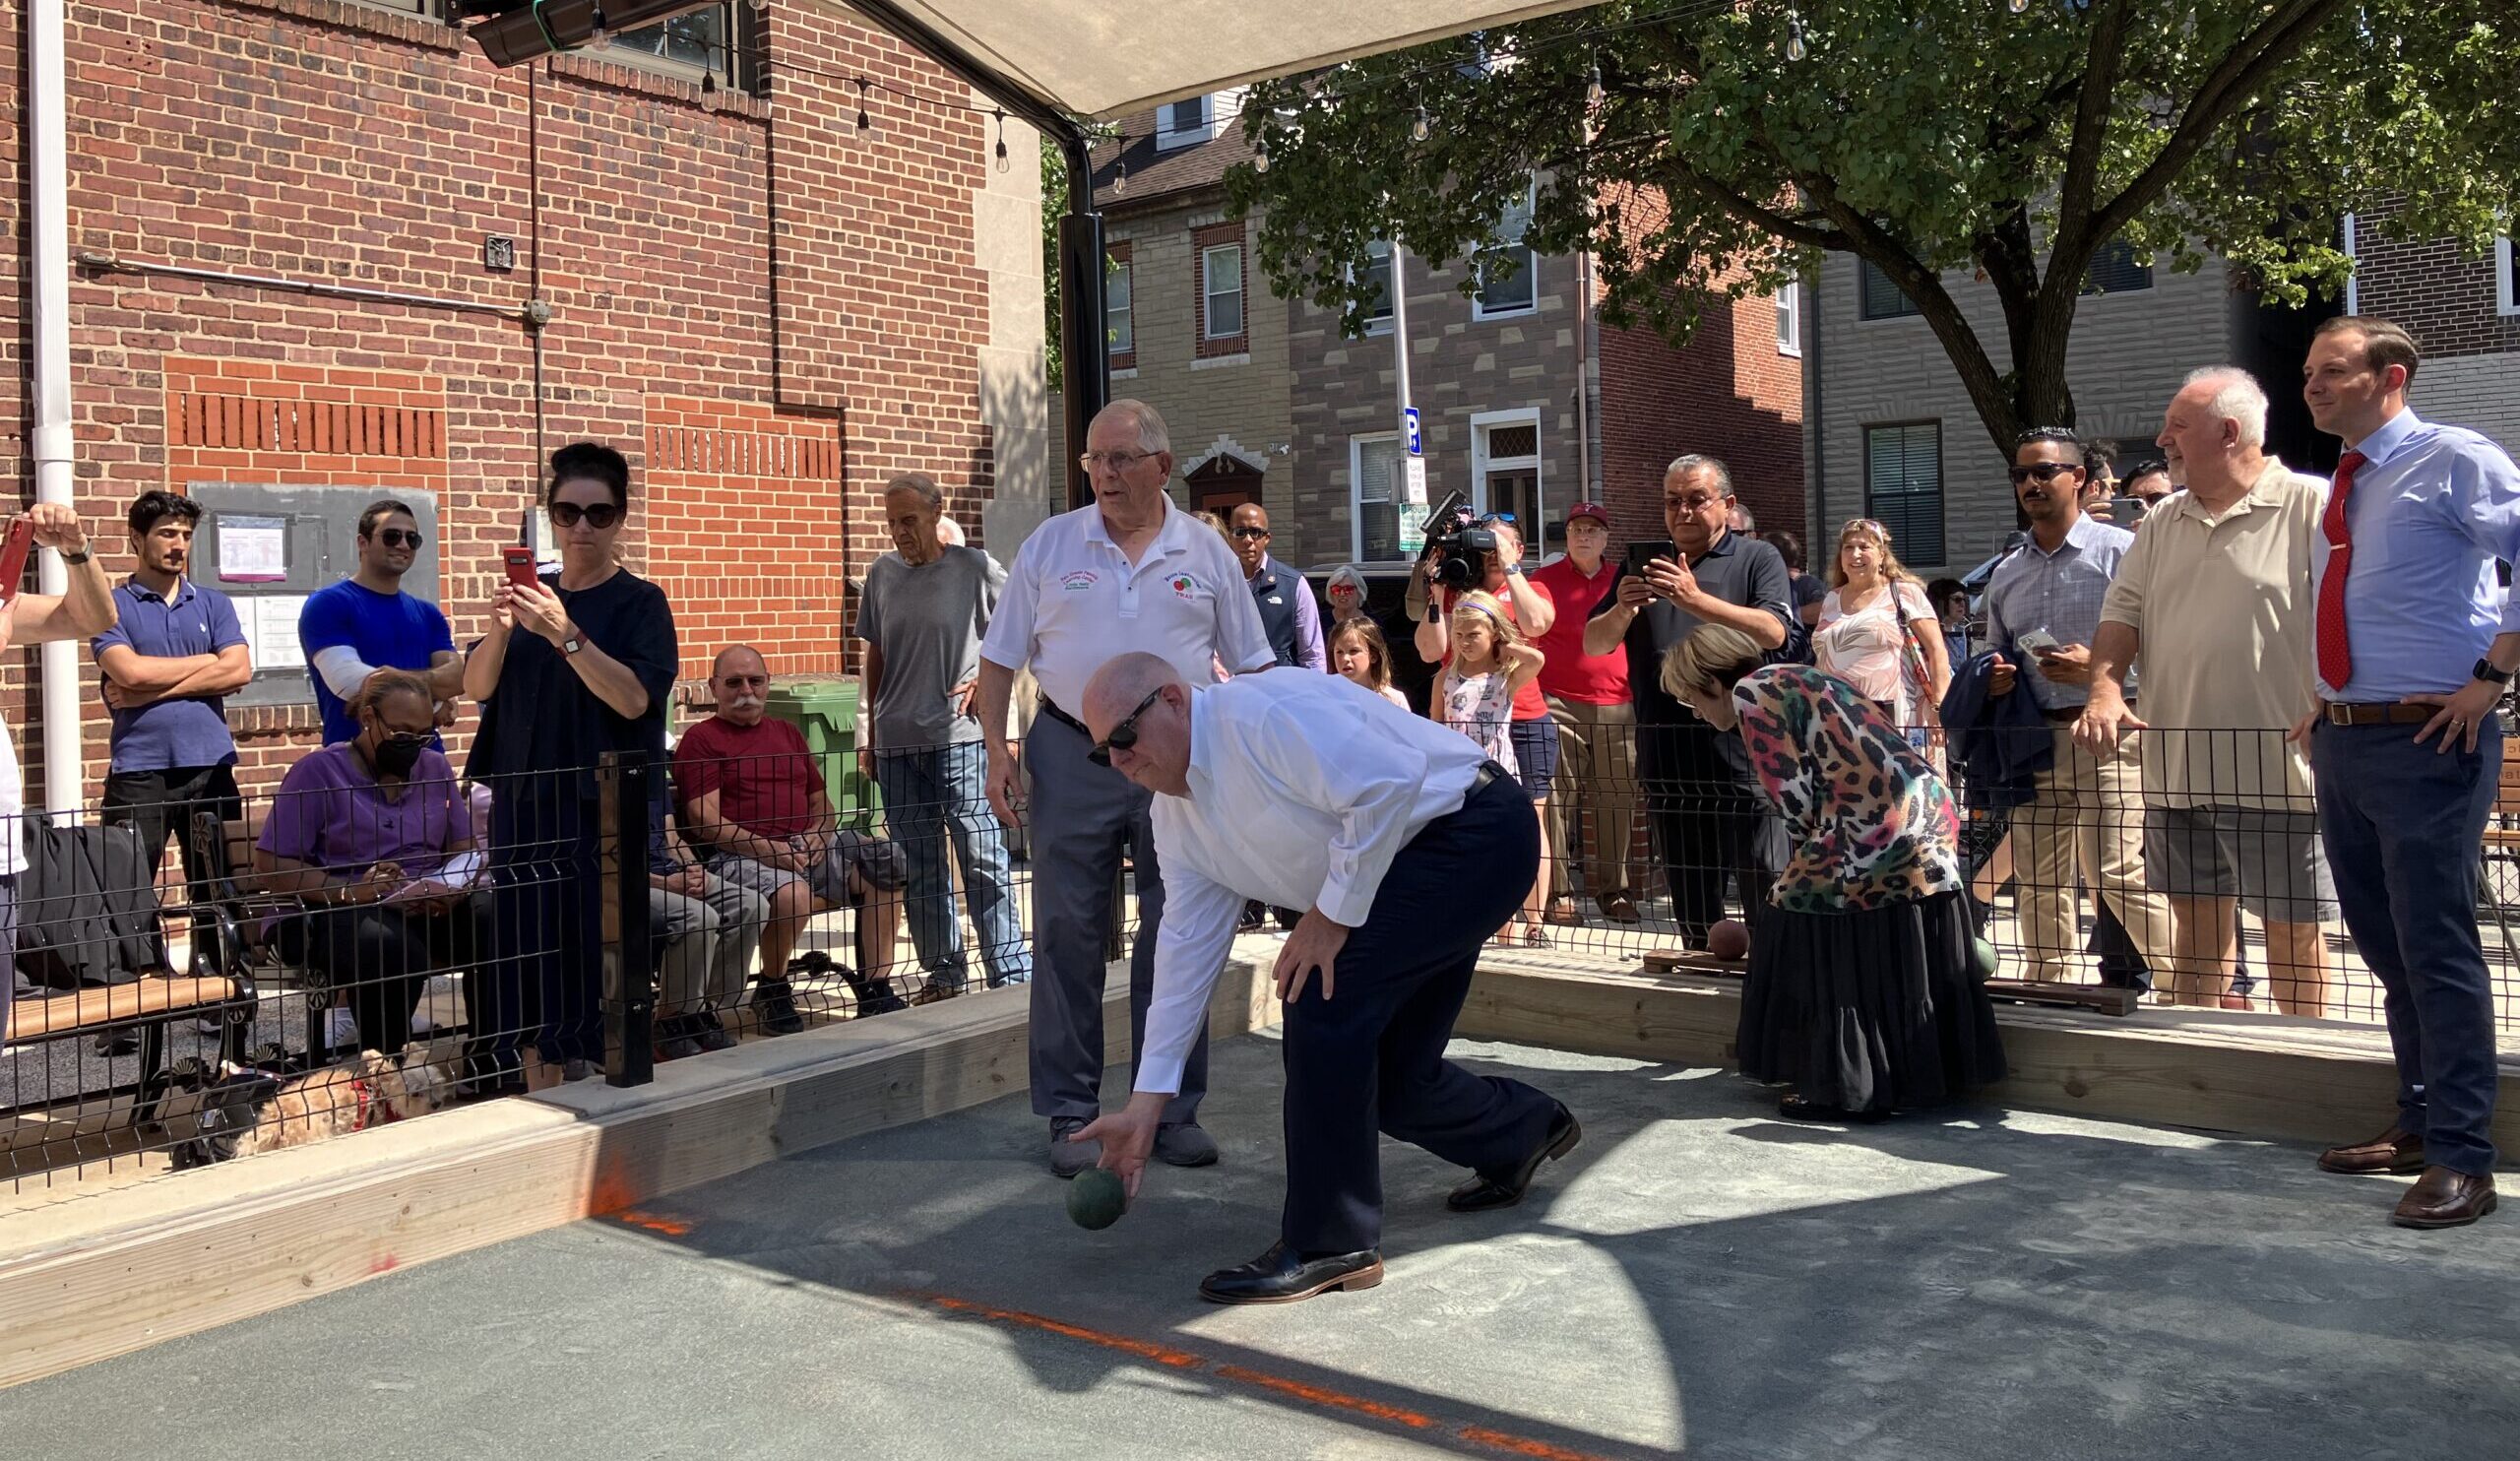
(578, 665)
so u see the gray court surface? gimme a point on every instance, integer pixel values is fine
(1698, 1279)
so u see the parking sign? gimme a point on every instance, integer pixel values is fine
(1417, 443)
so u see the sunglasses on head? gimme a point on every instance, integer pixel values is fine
(599, 516)
(395, 537)
(2045, 472)
(1124, 735)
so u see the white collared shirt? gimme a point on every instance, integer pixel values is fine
(1073, 601)
(1303, 790)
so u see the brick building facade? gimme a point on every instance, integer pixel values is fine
(767, 307)
(2464, 315)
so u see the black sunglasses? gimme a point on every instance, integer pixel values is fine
(1124, 735)
(2045, 472)
(599, 516)
(395, 537)
(1248, 533)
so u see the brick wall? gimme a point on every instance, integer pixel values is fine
(767, 308)
(2445, 297)
(1732, 394)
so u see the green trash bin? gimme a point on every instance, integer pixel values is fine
(825, 711)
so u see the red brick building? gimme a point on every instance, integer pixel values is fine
(769, 308)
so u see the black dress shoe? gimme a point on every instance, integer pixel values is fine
(1283, 1276)
(1484, 1191)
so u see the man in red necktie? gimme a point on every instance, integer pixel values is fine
(2416, 641)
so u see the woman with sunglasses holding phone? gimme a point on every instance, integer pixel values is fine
(575, 664)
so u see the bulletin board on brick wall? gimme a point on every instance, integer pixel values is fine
(268, 547)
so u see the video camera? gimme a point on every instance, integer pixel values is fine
(1457, 547)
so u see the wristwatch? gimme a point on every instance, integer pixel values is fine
(73, 560)
(571, 645)
(2485, 672)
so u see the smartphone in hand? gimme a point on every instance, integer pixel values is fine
(520, 561)
(12, 556)
(1644, 550)
(2038, 642)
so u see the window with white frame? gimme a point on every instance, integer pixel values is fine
(1119, 315)
(1508, 269)
(701, 43)
(1788, 320)
(1373, 495)
(1195, 119)
(1505, 478)
(1221, 290)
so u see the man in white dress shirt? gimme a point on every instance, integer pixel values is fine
(1127, 571)
(1406, 848)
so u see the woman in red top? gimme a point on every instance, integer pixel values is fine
(1535, 734)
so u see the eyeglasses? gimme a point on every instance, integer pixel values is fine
(599, 516)
(2045, 472)
(1124, 735)
(1698, 503)
(1864, 525)
(1115, 461)
(1249, 533)
(395, 537)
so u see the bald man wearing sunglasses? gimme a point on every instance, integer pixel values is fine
(1406, 846)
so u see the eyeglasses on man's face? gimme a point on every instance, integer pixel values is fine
(2045, 472)
(1250, 535)
(397, 538)
(1124, 735)
(1112, 461)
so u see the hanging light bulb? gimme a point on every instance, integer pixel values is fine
(708, 91)
(1419, 130)
(1795, 50)
(602, 39)
(863, 122)
(1260, 158)
(1121, 176)
(1001, 142)
(2017, 7)
(761, 7)
(1593, 89)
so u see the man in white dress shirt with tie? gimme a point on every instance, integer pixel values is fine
(1127, 571)
(1407, 847)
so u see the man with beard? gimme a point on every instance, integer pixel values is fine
(2086, 819)
(367, 622)
(175, 651)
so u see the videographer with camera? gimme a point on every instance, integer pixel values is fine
(1708, 813)
(1466, 553)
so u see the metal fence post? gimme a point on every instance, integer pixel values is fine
(630, 958)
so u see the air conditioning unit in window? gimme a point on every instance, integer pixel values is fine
(511, 32)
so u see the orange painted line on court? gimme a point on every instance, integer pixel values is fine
(1320, 1397)
(669, 1227)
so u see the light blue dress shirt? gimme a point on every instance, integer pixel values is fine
(2432, 508)
(2059, 592)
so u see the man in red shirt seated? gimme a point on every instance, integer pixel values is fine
(753, 802)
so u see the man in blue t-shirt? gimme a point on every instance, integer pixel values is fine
(366, 623)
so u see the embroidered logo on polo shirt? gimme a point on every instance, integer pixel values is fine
(1183, 586)
(1078, 581)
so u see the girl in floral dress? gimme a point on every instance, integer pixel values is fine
(1475, 694)
(1861, 992)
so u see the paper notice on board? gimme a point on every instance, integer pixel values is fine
(252, 550)
(270, 622)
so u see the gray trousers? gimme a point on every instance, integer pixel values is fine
(1083, 817)
(709, 944)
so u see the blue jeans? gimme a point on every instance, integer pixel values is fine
(2404, 826)
(928, 793)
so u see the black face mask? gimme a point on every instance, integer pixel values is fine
(396, 755)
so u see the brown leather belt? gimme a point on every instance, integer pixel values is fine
(1063, 718)
(2390, 714)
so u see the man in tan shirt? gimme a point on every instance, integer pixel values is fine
(2216, 596)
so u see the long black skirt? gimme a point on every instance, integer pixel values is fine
(1873, 1010)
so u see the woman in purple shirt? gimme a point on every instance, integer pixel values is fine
(375, 838)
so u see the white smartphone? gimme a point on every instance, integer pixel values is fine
(2038, 642)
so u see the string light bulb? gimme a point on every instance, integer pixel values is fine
(708, 91)
(1421, 129)
(601, 38)
(1002, 163)
(1593, 92)
(2017, 7)
(1795, 50)
(1260, 157)
(863, 122)
(761, 7)
(1121, 176)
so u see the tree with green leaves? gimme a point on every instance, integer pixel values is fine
(1718, 148)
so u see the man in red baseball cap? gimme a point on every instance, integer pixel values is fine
(1588, 697)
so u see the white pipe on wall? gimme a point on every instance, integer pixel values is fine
(48, 251)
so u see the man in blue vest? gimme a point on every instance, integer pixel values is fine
(1285, 600)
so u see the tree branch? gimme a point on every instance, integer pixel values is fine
(2091, 128)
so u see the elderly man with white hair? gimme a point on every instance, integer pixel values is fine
(1405, 845)
(1126, 572)
(2215, 597)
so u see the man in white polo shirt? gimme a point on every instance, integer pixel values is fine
(1127, 572)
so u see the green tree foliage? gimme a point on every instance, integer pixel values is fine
(1942, 140)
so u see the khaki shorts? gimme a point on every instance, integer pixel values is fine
(878, 862)
(2269, 860)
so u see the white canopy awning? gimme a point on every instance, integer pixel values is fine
(1107, 58)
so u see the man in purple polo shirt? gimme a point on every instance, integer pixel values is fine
(175, 649)
(376, 840)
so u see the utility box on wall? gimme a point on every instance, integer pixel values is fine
(270, 548)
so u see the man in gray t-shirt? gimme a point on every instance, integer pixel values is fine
(921, 615)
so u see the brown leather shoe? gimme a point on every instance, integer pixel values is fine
(2443, 1198)
(2393, 1150)
(1563, 912)
(1621, 908)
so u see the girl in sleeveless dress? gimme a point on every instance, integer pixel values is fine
(1475, 695)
